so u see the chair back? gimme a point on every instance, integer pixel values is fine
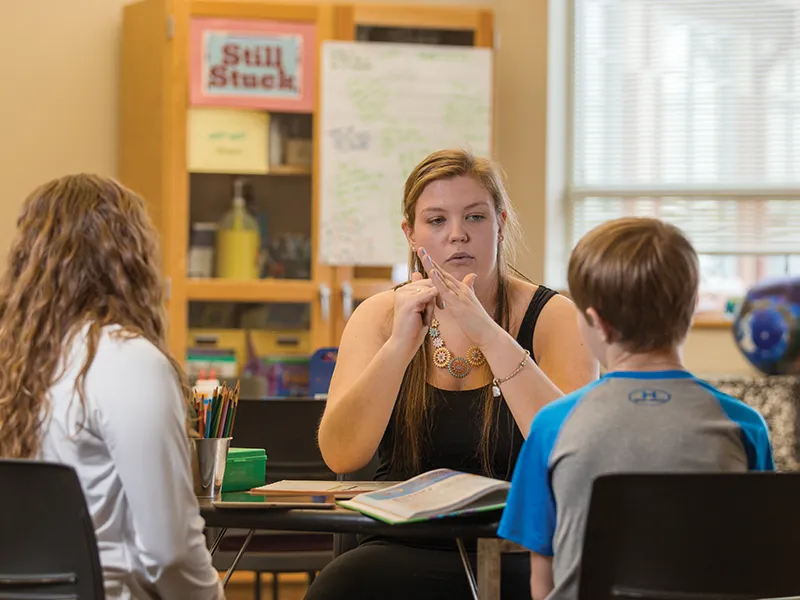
(48, 547)
(320, 371)
(692, 536)
(287, 429)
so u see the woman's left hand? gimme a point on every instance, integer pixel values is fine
(459, 299)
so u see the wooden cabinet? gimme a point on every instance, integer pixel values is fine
(297, 303)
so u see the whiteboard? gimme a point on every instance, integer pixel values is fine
(385, 107)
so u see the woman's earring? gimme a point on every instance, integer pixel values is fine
(500, 238)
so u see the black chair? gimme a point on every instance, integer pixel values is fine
(287, 429)
(48, 547)
(692, 537)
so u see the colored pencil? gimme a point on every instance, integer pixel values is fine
(215, 417)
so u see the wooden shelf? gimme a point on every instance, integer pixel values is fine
(711, 321)
(364, 288)
(244, 9)
(290, 170)
(261, 290)
(277, 171)
(417, 17)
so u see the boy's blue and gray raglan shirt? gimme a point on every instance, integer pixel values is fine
(624, 422)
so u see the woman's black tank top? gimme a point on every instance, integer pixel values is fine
(456, 423)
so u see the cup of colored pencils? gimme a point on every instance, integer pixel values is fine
(213, 421)
(215, 415)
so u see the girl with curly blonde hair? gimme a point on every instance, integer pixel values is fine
(86, 379)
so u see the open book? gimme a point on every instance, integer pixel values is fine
(435, 494)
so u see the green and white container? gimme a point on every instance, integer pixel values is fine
(245, 469)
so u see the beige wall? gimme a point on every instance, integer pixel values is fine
(59, 102)
(57, 95)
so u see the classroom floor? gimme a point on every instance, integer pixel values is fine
(242, 586)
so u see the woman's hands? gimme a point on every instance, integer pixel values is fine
(459, 299)
(413, 311)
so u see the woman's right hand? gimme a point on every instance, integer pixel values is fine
(413, 311)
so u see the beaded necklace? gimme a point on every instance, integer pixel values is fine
(457, 366)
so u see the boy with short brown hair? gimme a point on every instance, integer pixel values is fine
(635, 283)
(642, 275)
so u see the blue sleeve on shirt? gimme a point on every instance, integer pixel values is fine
(755, 434)
(529, 518)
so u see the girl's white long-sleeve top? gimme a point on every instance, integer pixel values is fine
(130, 449)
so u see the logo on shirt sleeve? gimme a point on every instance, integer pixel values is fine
(649, 397)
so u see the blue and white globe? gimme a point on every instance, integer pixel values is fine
(767, 327)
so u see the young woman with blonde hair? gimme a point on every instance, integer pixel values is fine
(86, 379)
(445, 371)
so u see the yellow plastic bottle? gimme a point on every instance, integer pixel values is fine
(238, 240)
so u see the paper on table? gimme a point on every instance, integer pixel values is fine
(339, 489)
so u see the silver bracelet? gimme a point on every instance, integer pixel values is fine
(496, 382)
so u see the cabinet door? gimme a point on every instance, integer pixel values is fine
(279, 178)
(151, 146)
(447, 26)
(190, 150)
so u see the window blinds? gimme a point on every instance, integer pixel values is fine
(689, 110)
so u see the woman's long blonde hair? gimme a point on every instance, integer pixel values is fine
(412, 425)
(85, 253)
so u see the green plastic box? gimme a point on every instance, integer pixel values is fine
(245, 469)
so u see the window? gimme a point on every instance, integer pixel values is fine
(689, 110)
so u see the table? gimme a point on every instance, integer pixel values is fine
(339, 520)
